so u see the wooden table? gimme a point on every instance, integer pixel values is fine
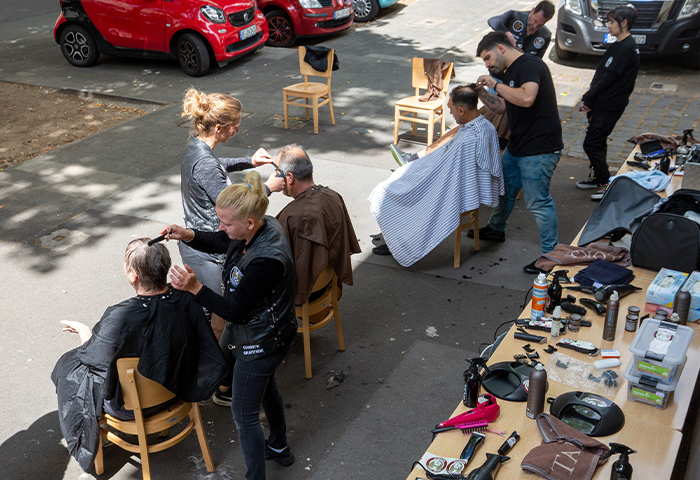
(654, 433)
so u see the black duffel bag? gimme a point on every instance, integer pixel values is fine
(666, 238)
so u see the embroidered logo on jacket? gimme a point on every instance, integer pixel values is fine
(539, 42)
(607, 64)
(518, 26)
(234, 279)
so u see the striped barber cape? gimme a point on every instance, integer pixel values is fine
(419, 205)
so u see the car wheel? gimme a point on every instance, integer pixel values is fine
(78, 46)
(564, 54)
(693, 62)
(193, 55)
(365, 10)
(281, 29)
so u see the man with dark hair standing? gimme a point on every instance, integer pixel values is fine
(527, 94)
(608, 95)
(316, 223)
(526, 30)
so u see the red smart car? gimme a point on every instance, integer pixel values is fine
(193, 31)
(289, 19)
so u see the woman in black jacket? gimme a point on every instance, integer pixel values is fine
(258, 306)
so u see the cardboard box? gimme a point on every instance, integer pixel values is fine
(693, 286)
(663, 289)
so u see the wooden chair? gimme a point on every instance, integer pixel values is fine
(319, 312)
(435, 109)
(473, 216)
(313, 91)
(140, 393)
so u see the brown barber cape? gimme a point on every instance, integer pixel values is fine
(565, 452)
(320, 233)
(434, 69)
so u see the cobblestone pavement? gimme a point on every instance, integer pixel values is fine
(647, 112)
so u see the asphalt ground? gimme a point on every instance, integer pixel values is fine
(67, 216)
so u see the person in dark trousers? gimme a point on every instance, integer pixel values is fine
(526, 30)
(527, 94)
(608, 95)
(258, 306)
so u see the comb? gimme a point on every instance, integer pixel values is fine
(466, 427)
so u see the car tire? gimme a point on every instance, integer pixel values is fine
(78, 46)
(693, 62)
(192, 54)
(281, 29)
(564, 54)
(365, 10)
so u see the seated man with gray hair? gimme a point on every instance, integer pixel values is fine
(419, 205)
(316, 222)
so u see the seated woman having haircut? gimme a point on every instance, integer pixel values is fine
(162, 326)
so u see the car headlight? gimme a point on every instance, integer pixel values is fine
(690, 8)
(574, 6)
(213, 14)
(310, 4)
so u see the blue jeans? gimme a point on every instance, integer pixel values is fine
(254, 384)
(533, 174)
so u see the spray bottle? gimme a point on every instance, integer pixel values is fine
(487, 471)
(472, 381)
(539, 296)
(553, 294)
(621, 469)
(681, 304)
(611, 317)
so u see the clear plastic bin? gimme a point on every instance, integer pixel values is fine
(641, 388)
(663, 371)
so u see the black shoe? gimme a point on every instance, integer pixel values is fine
(284, 458)
(222, 398)
(589, 184)
(488, 233)
(381, 250)
(532, 269)
(378, 239)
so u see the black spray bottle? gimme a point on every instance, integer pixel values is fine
(553, 295)
(472, 381)
(621, 469)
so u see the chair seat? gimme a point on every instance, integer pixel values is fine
(414, 102)
(311, 88)
(154, 423)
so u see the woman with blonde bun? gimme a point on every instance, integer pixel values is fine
(258, 307)
(215, 118)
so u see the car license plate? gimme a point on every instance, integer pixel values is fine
(640, 39)
(248, 32)
(341, 13)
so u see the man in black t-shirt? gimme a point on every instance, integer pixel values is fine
(526, 30)
(527, 95)
(608, 95)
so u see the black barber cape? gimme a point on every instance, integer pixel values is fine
(176, 348)
(317, 57)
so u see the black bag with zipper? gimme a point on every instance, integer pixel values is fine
(666, 238)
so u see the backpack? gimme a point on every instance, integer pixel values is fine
(666, 238)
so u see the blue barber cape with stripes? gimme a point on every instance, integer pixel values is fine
(419, 205)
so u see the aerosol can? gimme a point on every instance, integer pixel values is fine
(539, 296)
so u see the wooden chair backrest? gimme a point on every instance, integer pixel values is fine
(420, 81)
(149, 393)
(307, 69)
(323, 279)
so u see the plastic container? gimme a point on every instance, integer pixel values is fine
(641, 388)
(663, 371)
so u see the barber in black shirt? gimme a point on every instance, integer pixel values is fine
(608, 95)
(527, 94)
(526, 30)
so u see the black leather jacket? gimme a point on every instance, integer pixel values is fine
(271, 325)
